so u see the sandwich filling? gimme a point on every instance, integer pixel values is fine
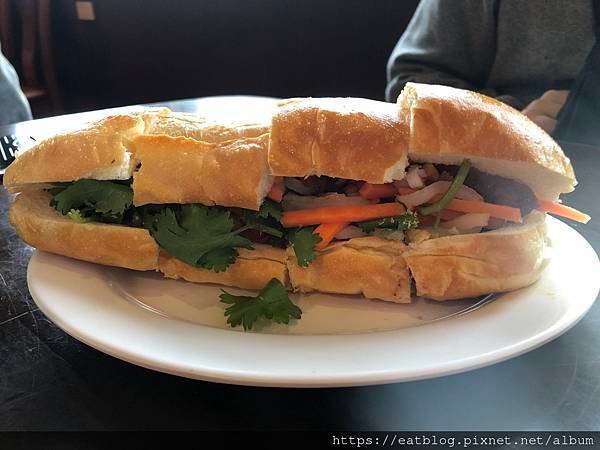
(310, 214)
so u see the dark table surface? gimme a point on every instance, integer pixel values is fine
(50, 381)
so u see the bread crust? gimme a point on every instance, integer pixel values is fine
(44, 228)
(98, 151)
(253, 269)
(202, 129)
(103, 150)
(164, 160)
(470, 265)
(351, 138)
(183, 170)
(448, 125)
(368, 266)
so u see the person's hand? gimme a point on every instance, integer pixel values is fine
(544, 110)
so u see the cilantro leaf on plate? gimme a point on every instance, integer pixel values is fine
(103, 201)
(272, 303)
(199, 236)
(304, 241)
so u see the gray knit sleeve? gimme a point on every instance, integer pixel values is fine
(13, 104)
(449, 42)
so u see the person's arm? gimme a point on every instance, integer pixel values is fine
(13, 104)
(446, 42)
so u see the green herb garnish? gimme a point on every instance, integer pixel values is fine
(201, 236)
(75, 216)
(402, 222)
(458, 181)
(272, 303)
(265, 220)
(101, 201)
(303, 242)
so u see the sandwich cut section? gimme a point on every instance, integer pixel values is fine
(337, 195)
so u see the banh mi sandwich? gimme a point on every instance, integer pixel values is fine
(447, 188)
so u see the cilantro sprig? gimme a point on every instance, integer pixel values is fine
(272, 303)
(100, 201)
(200, 236)
(459, 180)
(303, 242)
(266, 219)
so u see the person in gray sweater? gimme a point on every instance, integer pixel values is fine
(524, 53)
(13, 104)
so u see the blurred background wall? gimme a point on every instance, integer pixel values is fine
(140, 51)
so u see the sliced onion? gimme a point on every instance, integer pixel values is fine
(350, 232)
(414, 178)
(292, 202)
(423, 195)
(468, 221)
(439, 187)
(467, 193)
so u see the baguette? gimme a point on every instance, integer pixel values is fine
(44, 228)
(179, 159)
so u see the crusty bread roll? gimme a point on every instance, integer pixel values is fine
(98, 151)
(469, 265)
(179, 158)
(43, 227)
(448, 125)
(103, 151)
(357, 139)
(196, 127)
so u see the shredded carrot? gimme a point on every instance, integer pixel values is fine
(562, 210)
(327, 231)
(336, 214)
(276, 192)
(406, 190)
(474, 206)
(377, 191)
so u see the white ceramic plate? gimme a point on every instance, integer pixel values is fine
(179, 327)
